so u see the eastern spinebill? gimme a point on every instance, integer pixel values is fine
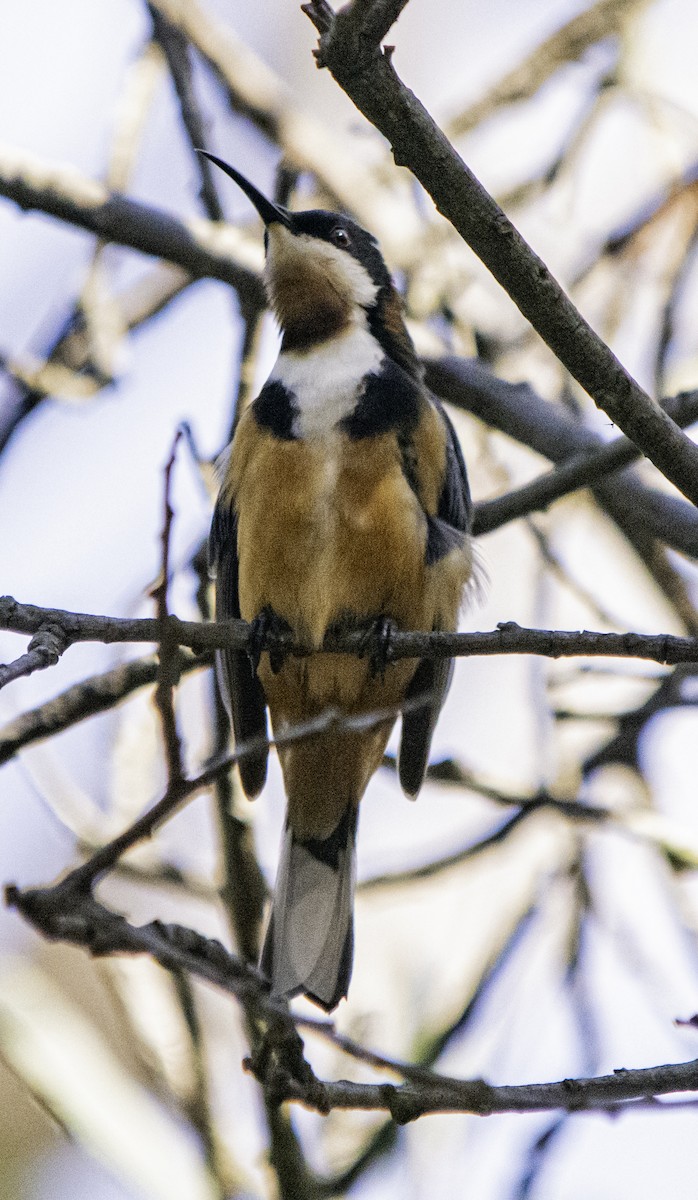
(344, 503)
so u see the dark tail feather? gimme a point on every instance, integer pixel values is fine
(432, 679)
(309, 942)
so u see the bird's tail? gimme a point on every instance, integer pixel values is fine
(309, 942)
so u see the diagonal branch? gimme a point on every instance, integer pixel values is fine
(581, 471)
(97, 694)
(418, 143)
(601, 20)
(176, 50)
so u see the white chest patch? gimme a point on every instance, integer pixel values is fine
(326, 381)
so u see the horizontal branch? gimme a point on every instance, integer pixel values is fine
(410, 1100)
(203, 248)
(370, 80)
(507, 638)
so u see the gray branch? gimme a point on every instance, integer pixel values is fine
(44, 650)
(507, 638)
(115, 218)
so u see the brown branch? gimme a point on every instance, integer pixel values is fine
(411, 1100)
(68, 912)
(182, 789)
(581, 471)
(418, 143)
(428, 870)
(68, 365)
(197, 1102)
(507, 638)
(573, 810)
(364, 23)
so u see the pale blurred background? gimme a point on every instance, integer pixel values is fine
(565, 948)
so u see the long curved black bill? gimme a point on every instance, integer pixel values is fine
(268, 212)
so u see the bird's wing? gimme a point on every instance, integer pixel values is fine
(239, 686)
(447, 530)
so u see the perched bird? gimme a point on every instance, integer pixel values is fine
(344, 503)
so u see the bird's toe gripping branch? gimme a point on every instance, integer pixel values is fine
(378, 644)
(266, 629)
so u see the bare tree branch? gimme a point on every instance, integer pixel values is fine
(507, 638)
(67, 913)
(176, 50)
(600, 20)
(581, 471)
(168, 658)
(257, 93)
(94, 695)
(417, 142)
(365, 23)
(201, 248)
(517, 410)
(44, 650)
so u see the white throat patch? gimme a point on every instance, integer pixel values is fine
(325, 382)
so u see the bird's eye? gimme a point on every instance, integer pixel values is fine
(340, 237)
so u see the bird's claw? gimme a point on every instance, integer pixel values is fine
(265, 629)
(377, 645)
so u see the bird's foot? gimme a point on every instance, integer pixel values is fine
(266, 629)
(376, 645)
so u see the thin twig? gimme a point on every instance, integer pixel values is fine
(182, 789)
(176, 50)
(168, 657)
(44, 650)
(97, 694)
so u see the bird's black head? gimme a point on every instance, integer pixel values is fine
(323, 273)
